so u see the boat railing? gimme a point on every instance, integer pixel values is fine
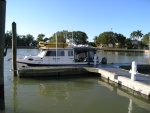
(20, 56)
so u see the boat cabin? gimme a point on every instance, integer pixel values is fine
(61, 56)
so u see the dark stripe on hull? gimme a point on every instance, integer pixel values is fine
(54, 64)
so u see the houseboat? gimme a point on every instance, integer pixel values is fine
(61, 54)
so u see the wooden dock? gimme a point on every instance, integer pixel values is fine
(111, 72)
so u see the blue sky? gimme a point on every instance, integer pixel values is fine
(90, 16)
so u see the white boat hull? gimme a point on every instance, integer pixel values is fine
(64, 56)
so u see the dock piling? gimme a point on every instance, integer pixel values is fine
(133, 71)
(14, 51)
(2, 36)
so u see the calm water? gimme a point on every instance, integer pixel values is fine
(73, 95)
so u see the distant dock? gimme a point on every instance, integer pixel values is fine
(123, 50)
(111, 72)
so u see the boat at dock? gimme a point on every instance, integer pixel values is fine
(60, 54)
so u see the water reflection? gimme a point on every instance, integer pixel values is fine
(59, 91)
(130, 106)
(55, 91)
(141, 100)
(15, 101)
(124, 57)
(66, 95)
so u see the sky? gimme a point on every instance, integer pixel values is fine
(90, 16)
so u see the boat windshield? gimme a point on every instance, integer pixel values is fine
(41, 53)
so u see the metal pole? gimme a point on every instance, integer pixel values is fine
(149, 42)
(56, 46)
(149, 48)
(2, 36)
(14, 51)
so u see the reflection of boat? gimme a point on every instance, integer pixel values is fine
(59, 89)
(61, 55)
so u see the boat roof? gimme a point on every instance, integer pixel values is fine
(71, 48)
(84, 49)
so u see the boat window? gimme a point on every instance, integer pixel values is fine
(60, 53)
(70, 53)
(53, 53)
(41, 53)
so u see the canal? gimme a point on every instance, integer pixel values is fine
(80, 94)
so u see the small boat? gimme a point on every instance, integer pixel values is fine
(49, 44)
(56, 55)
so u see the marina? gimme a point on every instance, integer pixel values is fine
(64, 93)
(68, 59)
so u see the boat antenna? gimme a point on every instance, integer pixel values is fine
(65, 35)
(72, 35)
(56, 45)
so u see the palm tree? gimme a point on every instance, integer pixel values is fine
(139, 34)
(136, 34)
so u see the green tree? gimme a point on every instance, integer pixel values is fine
(136, 34)
(22, 40)
(106, 38)
(120, 39)
(40, 37)
(141, 45)
(78, 37)
(128, 43)
(95, 40)
(145, 38)
(60, 37)
(92, 44)
(29, 39)
(19, 41)
(8, 38)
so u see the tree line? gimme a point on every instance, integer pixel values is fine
(105, 39)
(117, 40)
(79, 37)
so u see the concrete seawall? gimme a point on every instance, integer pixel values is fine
(124, 50)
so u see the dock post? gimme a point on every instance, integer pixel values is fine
(2, 36)
(133, 71)
(14, 51)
